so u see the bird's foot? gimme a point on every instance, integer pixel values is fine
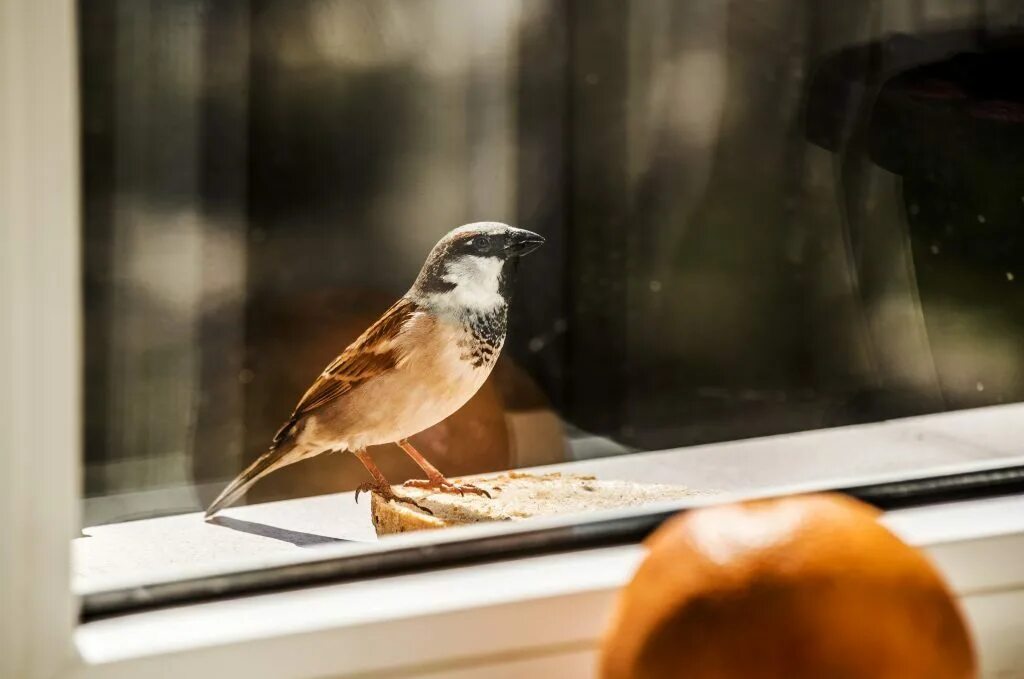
(387, 493)
(443, 485)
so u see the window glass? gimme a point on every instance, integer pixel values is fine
(760, 218)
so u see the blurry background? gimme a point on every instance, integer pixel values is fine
(761, 218)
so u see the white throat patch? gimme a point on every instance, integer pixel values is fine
(476, 281)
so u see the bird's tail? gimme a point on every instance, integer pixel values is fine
(275, 458)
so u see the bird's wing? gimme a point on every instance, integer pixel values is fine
(375, 352)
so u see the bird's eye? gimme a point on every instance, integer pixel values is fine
(479, 244)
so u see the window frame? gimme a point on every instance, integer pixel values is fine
(40, 425)
(539, 616)
(40, 340)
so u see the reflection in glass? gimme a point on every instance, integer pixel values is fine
(761, 218)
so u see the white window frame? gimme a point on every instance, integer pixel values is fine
(539, 617)
(39, 335)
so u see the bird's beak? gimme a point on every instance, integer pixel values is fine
(522, 242)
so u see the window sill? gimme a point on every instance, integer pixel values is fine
(539, 615)
(168, 549)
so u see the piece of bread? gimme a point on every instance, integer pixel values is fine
(803, 587)
(515, 496)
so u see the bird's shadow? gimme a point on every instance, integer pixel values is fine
(297, 538)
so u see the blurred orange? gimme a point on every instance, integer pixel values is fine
(801, 587)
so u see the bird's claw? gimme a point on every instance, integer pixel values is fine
(387, 494)
(444, 486)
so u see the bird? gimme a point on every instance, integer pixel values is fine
(422, 360)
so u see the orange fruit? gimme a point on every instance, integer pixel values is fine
(799, 587)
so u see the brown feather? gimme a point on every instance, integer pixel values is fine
(373, 353)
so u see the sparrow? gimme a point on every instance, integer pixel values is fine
(416, 365)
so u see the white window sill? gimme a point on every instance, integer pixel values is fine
(541, 616)
(171, 548)
(534, 616)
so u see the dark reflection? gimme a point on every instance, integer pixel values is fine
(936, 260)
(297, 538)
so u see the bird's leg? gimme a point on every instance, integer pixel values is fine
(435, 479)
(380, 484)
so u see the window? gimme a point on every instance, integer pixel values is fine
(759, 221)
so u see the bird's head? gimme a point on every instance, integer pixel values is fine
(472, 267)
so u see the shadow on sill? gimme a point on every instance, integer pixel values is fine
(297, 538)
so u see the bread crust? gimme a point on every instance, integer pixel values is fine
(514, 497)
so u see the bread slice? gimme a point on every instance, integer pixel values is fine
(514, 497)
